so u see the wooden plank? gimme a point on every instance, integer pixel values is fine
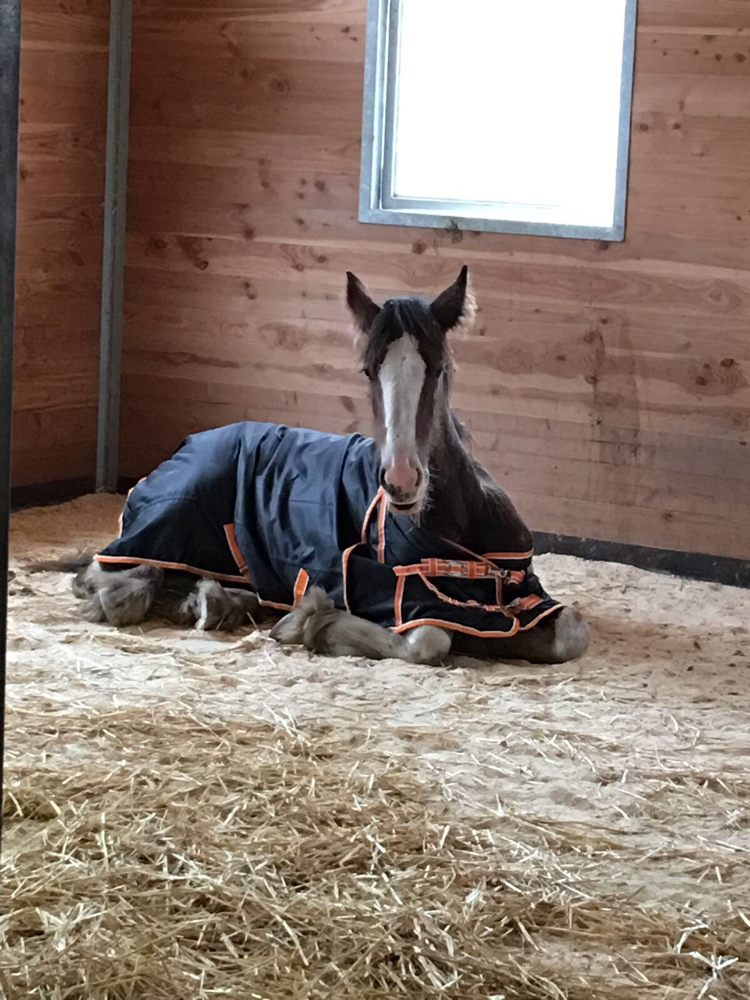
(293, 11)
(46, 256)
(716, 17)
(43, 346)
(243, 39)
(267, 96)
(58, 391)
(59, 88)
(688, 54)
(697, 95)
(215, 299)
(256, 178)
(77, 25)
(60, 443)
(547, 349)
(41, 142)
(42, 178)
(694, 291)
(61, 177)
(224, 148)
(58, 429)
(662, 529)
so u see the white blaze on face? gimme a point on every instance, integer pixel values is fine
(402, 375)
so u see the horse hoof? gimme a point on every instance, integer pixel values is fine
(572, 636)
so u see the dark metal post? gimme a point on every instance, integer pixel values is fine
(10, 52)
(113, 257)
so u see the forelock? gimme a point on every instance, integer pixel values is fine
(399, 317)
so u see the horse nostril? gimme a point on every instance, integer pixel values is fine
(401, 480)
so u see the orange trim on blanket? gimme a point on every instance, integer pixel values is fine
(525, 603)
(236, 551)
(454, 627)
(345, 569)
(368, 514)
(398, 600)
(136, 561)
(242, 566)
(363, 540)
(556, 607)
(275, 604)
(381, 527)
(300, 586)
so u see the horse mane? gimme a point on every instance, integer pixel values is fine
(462, 430)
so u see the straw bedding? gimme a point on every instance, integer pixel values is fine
(204, 817)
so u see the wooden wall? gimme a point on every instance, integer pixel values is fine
(61, 183)
(606, 385)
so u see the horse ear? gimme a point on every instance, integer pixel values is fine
(361, 306)
(456, 304)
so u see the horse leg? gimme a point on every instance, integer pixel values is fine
(572, 635)
(211, 607)
(322, 628)
(128, 597)
(428, 644)
(557, 639)
(123, 597)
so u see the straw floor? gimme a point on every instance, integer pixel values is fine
(203, 816)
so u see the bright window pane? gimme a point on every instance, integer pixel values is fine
(514, 104)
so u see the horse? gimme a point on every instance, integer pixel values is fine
(268, 518)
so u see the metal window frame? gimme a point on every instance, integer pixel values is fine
(377, 204)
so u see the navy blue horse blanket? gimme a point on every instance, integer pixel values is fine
(277, 509)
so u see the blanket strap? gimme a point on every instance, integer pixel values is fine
(463, 569)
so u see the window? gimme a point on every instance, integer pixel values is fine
(504, 115)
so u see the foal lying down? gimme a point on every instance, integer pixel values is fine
(402, 546)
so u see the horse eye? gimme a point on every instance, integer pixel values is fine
(367, 374)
